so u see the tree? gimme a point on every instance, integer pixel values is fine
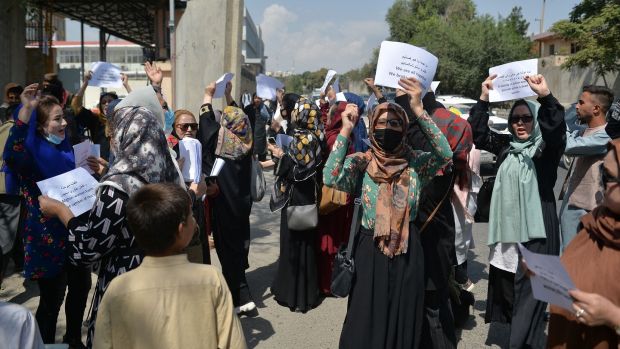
(466, 45)
(595, 28)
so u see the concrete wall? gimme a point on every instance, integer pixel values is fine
(566, 84)
(12, 42)
(208, 44)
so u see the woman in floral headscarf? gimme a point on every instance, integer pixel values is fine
(386, 299)
(230, 139)
(296, 283)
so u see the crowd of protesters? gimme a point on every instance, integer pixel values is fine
(398, 195)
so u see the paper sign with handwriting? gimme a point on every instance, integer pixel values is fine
(266, 86)
(398, 60)
(550, 282)
(75, 189)
(330, 75)
(510, 81)
(105, 75)
(220, 85)
(82, 151)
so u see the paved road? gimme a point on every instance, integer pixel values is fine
(277, 327)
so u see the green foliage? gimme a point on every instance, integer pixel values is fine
(466, 45)
(595, 28)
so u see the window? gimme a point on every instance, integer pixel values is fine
(574, 48)
(551, 49)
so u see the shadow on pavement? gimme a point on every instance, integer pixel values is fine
(260, 280)
(256, 330)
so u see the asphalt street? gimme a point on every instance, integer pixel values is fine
(277, 326)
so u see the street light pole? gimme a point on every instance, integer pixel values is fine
(172, 52)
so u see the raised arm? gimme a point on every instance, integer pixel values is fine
(76, 102)
(426, 164)
(208, 129)
(342, 172)
(550, 114)
(370, 82)
(484, 137)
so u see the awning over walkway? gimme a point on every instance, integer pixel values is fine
(132, 20)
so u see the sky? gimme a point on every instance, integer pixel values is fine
(301, 35)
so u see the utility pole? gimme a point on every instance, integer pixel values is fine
(542, 17)
(171, 13)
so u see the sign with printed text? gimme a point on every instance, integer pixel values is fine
(510, 82)
(105, 75)
(398, 60)
(75, 189)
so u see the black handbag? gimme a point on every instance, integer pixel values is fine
(344, 266)
(484, 200)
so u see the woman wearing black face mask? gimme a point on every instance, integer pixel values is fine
(386, 298)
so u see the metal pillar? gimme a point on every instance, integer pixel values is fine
(82, 47)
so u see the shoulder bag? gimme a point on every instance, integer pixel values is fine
(258, 184)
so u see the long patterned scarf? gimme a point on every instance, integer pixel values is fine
(391, 172)
(234, 139)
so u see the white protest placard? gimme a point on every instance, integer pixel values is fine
(82, 151)
(75, 189)
(105, 75)
(330, 75)
(434, 85)
(217, 167)
(266, 86)
(220, 85)
(340, 97)
(337, 85)
(398, 60)
(510, 81)
(550, 282)
(191, 151)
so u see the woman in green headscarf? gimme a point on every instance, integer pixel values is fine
(523, 206)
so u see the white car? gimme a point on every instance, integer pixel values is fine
(464, 105)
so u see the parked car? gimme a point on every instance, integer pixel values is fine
(463, 105)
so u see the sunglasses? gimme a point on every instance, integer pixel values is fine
(184, 127)
(606, 177)
(523, 118)
(391, 122)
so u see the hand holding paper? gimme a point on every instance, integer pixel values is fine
(82, 151)
(266, 87)
(510, 82)
(550, 282)
(75, 189)
(330, 75)
(220, 84)
(398, 60)
(105, 74)
(191, 150)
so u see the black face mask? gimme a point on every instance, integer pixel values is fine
(388, 139)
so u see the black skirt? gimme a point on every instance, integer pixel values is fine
(510, 298)
(386, 302)
(296, 284)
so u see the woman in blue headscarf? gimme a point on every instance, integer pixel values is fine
(38, 149)
(523, 206)
(359, 132)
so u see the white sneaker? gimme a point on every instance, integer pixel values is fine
(248, 309)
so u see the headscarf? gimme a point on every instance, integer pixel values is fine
(305, 148)
(141, 154)
(601, 223)
(234, 139)
(391, 172)
(147, 98)
(288, 104)
(49, 159)
(359, 131)
(516, 210)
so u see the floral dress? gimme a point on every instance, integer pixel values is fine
(44, 238)
(342, 172)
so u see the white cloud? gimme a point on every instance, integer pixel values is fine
(314, 44)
